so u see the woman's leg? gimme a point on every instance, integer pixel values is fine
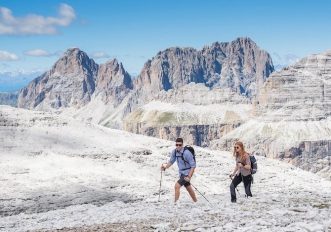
(235, 181)
(247, 183)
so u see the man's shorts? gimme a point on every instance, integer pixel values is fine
(182, 182)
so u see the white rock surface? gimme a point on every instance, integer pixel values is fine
(58, 173)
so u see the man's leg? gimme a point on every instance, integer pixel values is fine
(191, 192)
(177, 191)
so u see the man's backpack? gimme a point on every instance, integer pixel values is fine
(191, 149)
(253, 164)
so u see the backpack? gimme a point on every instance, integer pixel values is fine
(253, 164)
(191, 149)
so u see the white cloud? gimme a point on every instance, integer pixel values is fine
(7, 56)
(21, 72)
(33, 24)
(38, 52)
(99, 55)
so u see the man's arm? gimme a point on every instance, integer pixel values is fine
(188, 178)
(165, 166)
(171, 161)
(189, 157)
(191, 173)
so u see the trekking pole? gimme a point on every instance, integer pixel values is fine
(201, 194)
(160, 186)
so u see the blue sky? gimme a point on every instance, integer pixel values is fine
(134, 31)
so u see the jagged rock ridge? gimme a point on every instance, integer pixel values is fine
(239, 65)
(73, 81)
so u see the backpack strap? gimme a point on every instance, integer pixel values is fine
(182, 156)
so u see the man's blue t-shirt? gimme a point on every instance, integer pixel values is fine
(183, 166)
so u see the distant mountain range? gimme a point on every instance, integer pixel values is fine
(8, 98)
(75, 78)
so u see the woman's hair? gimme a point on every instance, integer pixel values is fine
(241, 145)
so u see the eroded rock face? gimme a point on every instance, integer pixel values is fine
(193, 112)
(220, 74)
(314, 156)
(113, 82)
(73, 81)
(293, 120)
(70, 82)
(299, 92)
(239, 65)
(199, 135)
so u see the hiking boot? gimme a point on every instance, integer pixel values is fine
(233, 200)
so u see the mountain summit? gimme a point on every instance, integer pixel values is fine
(72, 81)
(239, 65)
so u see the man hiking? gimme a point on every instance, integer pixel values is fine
(186, 165)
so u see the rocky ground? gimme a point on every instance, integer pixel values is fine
(58, 174)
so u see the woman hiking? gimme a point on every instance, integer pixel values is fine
(242, 171)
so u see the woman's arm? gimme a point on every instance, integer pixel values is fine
(248, 163)
(247, 166)
(235, 170)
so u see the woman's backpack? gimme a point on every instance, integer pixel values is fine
(253, 164)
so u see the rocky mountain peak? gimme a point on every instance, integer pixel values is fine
(70, 82)
(239, 65)
(114, 62)
(73, 52)
(113, 77)
(75, 61)
(73, 80)
(114, 66)
(244, 41)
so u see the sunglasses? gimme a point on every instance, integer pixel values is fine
(179, 144)
(236, 147)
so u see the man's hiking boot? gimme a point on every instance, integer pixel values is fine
(233, 200)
